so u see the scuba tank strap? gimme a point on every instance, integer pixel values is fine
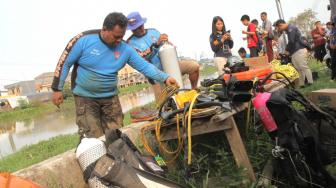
(87, 173)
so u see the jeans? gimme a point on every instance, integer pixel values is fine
(333, 63)
(253, 52)
(320, 52)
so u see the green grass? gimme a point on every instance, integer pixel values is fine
(134, 88)
(34, 110)
(324, 77)
(207, 70)
(33, 154)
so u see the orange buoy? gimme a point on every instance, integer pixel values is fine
(8, 180)
(249, 75)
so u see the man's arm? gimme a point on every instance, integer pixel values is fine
(291, 39)
(251, 30)
(249, 33)
(268, 29)
(69, 56)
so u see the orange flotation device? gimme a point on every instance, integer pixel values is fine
(8, 180)
(250, 74)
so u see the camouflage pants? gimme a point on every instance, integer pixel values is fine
(94, 116)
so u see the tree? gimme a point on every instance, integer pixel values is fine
(67, 90)
(305, 22)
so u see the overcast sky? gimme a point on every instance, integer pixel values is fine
(35, 32)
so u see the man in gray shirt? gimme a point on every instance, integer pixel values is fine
(267, 35)
(296, 48)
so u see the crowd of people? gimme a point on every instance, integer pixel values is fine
(279, 40)
(97, 55)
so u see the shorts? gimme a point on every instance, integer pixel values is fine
(95, 115)
(188, 66)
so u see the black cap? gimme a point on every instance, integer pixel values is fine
(278, 22)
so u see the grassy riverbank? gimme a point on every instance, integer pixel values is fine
(43, 150)
(36, 153)
(34, 110)
(256, 146)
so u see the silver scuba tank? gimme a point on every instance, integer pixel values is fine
(87, 153)
(169, 61)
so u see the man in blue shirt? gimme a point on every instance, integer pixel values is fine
(147, 43)
(296, 48)
(96, 57)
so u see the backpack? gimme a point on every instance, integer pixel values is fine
(299, 134)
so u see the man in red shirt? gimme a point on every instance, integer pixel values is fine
(318, 34)
(252, 39)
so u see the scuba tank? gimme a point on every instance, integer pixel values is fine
(259, 103)
(87, 153)
(169, 61)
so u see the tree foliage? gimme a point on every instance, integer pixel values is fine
(305, 22)
(67, 90)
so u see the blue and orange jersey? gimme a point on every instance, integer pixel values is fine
(96, 65)
(146, 46)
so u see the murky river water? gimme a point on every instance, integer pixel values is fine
(15, 135)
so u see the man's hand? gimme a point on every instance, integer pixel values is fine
(264, 34)
(57, 98)
(286, 52)
(244, 32)
(163, 38)
(170, 81)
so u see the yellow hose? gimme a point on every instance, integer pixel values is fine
(189, 127)
(158, 136)
(168, 92)
(144, 140)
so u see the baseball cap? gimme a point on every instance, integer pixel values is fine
(135, 20)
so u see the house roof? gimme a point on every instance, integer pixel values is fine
(47, 78)
(19, 83)
(44, 75)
